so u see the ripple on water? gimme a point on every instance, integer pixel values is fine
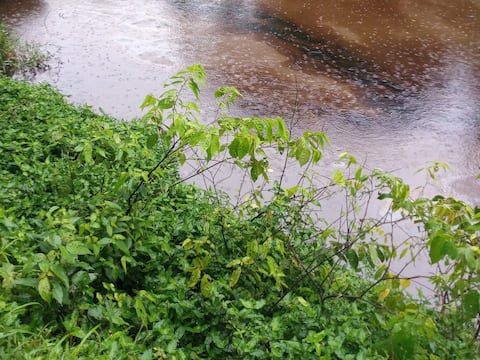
(398, 103)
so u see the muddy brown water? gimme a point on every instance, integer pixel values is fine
(396, 83)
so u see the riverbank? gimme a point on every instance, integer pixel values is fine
(107, 253)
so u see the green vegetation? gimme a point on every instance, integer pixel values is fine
(107, 252)
(26, 59)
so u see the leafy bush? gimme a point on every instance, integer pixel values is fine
(26, 58)
(107, 252)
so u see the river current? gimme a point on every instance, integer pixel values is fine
(396, 83)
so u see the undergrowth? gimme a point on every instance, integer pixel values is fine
(107, 252)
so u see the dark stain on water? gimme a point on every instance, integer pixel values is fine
(395, 82)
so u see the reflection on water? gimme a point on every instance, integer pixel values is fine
(395, 82)
(18, 12)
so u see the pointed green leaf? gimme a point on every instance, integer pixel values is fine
(213, 147)
(141, 311)
(122, 246)
(206, 286)
(437, 247)
(77, 248)
(87, 153)
(471, 303)
(59, 272)
(149, 101)
(352, 258)
(243, 147)
(303, 156)
(57, 292)
(194, 277)
(235, 277)
(339, 178)
(45, 289)
(233, 148)
(282, 130)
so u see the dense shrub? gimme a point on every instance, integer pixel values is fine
(107, 252)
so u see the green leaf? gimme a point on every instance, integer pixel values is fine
(257, 305)
(235, 277)
(383, 294)
(213, 147)
(195, 88)
(255, 171)
(149, 101)
(437, 249)
(77, 248)
(45, 289)
(30, 282)
(234, 262)
(352, 258)
(372, 251)
(206, 285)
(81, 279)
(243, 147)
(403, 253)
(247, 260)
(152, 140)
(123, 260)
(87, 153)
(233, 148)
(57, 292)
(282, 130)
(59, 272)
(172, 346)
(303, 156)
(339, 178)
(167, 100)
(272, 265)
(122, 246)
(293, 190)
(302, 301)
(141, 311)
(471, 303)
(194, 277)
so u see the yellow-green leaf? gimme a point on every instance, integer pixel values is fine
(383, 294)
(405, 283)
(302, 301)
(45, 289)
(206, 286)
(339, 178)
(235, 276)
(194, 277)
(87, 153)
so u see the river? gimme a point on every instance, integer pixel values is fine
(396, 83)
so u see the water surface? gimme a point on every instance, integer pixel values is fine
(397, 83)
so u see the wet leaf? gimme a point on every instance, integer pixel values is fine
(45, 289)
(383, 294)
(235, 277)
(206, 285)
(194, 277)
(471, 303)
(77, 248)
